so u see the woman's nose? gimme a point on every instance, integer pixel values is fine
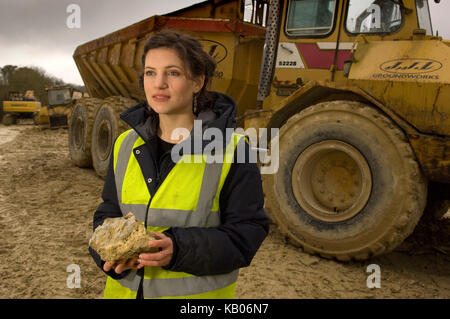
(160, 81)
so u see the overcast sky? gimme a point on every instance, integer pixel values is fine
(35, 32)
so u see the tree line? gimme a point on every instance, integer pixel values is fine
(21, 79)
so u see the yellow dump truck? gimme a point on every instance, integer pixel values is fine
(18, 105)
(61, 100)
(60, 103)
(353, 96)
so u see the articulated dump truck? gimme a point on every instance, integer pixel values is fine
(353, 95)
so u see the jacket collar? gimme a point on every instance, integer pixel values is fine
(221, 115)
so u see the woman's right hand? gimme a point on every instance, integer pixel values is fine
(121, 265)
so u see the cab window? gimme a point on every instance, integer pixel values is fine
(310, 17)
(373, 16)
(59, 97)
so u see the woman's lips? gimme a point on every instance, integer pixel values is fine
(160, 98)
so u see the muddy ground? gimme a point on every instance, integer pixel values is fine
(46, 208)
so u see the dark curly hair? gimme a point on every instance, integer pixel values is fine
(191, 53)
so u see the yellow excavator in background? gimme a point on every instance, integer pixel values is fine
(18, 105)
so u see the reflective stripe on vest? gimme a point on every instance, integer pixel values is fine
(184, 287)
(193, 202)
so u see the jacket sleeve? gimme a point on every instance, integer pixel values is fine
(109, 208)
(244, 226)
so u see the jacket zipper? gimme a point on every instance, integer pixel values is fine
(140, 292)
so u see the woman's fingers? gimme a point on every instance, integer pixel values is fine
(121, 265)
(160, 258)
(160, 255)
(149, 261)
(108, 265)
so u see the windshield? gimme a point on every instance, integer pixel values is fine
(59, 97)
(310, 17)
(423, 15)
(373, 16)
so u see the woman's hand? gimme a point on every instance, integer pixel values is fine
(121, 265)
(162, 257)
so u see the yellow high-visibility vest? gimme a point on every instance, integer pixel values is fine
(188, 197)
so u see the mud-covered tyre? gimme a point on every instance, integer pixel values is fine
(107, 127)
(80, 131)
(348, 184)
(36, 118)
(9, 119)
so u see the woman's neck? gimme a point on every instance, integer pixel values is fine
(169, 123)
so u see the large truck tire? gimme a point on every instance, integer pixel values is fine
(80, 131)
(107, 127)
(348, 184)
(36, 118)
(9, 119)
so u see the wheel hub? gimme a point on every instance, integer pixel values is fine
(331, 181)
(104, 140)
(78, 133)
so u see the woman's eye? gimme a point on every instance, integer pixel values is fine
(149, 73)
(174, 73)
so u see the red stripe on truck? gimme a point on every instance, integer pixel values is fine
(316, 58)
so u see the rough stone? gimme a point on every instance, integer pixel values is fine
(121, 238)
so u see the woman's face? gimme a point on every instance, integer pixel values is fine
(168, 85)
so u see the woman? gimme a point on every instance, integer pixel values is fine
(208, 219)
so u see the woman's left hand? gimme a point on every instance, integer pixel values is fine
(162, 257)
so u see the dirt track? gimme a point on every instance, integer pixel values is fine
(46, 208)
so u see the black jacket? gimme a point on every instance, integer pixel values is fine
(198, 250)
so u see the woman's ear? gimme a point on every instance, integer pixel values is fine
(198, 83)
